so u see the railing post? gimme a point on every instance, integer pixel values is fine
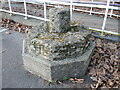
(71, 10)
(91, 9)
(25, 7)
(111, 11)
(2, 4)
(45, 9)
(105, 17)
(10, 6)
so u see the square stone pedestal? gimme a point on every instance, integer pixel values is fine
(57, 70)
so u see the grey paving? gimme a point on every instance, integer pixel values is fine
(95, 21)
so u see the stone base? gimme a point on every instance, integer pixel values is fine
(57, 70)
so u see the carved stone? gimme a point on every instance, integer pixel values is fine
(56, 49)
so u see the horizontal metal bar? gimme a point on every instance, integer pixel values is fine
(24, 15)
(97, 6)
(96, 12)
(3, 30)
(74, 4)
(108, 14)
(85, 5)
(106, 31)
(29, 1)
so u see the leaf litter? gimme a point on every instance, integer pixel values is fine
(104, 66)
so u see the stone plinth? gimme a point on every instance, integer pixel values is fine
(57, 70)
(54, 50)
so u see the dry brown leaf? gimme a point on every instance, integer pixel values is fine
(94, 79)
(110, 83)
(116, 73)
(111, 46)
(99, 83)
(101, 71)
(59, 82)
(71, 79)
(7, 33)
(100, 50)
(92, 86)
(99, 43)
(92, 71)
(79, 81)
(106, 66)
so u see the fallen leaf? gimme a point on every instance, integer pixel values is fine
(59, 82)
(92, 86)
(111, 46)
(94, 79)
(71, 79)
(106, 66)
(92, 71)
(101, 51)
(79, 81)
(7, 33)
(111, 83)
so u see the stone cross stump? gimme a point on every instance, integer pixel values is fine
(56, 49)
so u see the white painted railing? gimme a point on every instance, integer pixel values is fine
(72, 5)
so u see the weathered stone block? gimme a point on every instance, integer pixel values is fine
(54, 47)
(59, 20)
(36, 30)
(57, 70)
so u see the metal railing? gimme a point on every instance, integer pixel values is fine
(99, 6)
(25, 8)
(71, 4)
